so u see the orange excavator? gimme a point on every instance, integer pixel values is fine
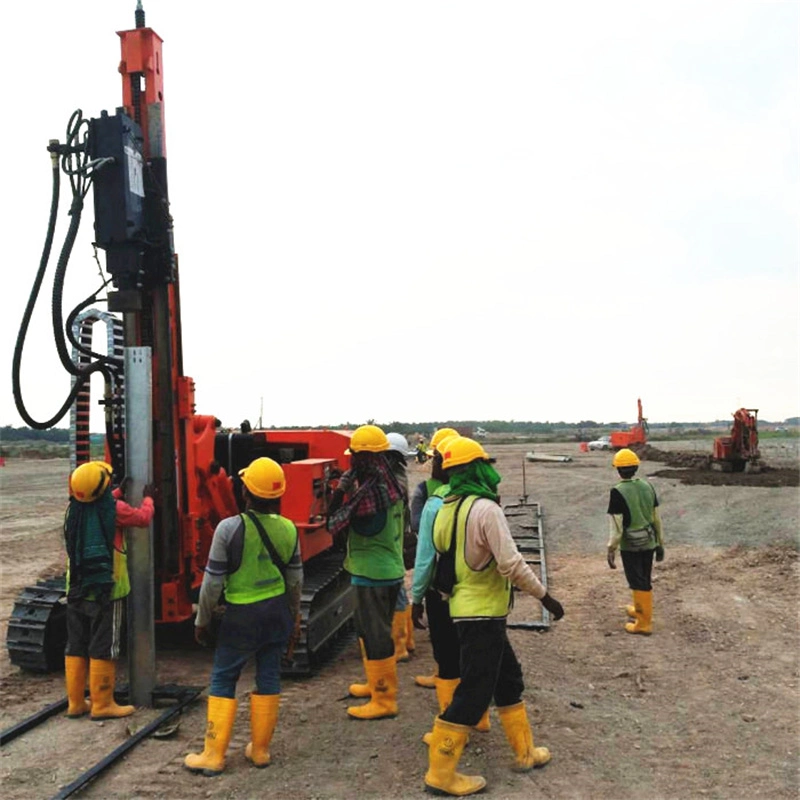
(636, 435)
(152, 430)
(739, 451)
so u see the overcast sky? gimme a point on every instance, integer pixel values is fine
(443, 211)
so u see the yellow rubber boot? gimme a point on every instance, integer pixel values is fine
(427, 681)
(445, 689)
(102, 676)
(75, 670)
(447, 744)
(631, 609)
(411, 645)
(519, 735)
(221, 715)
(399, 636)
(382, 680)
(644, 614)
(360, 689)
(263, 719)
(484, 723)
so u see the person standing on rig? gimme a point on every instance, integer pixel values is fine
(485, 563)
(97, 585)
(255, 556)
(636, 530)
(368, 505)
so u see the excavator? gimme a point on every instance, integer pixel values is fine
(153, 433)
(739, 451)
(637, 434)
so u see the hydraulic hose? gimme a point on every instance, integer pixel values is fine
(80, 184)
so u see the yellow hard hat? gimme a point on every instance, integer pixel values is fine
(369, 438)
(439, 436)
(88, 481)
(264, 478)
(442, 446)
(462, 450)
(625, 458)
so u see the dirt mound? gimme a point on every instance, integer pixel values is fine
(688, 460)
(697, 476)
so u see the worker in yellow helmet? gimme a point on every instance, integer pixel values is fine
(368, 510)
(97, 585)
(471, 529)
(255, 557)
(636, 530)
(424, 490)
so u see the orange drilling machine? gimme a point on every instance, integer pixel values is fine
(739, 451)
(636, 435)
(122, 159)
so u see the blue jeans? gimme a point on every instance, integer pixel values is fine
(257, 630)
(402, 599)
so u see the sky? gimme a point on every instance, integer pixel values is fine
(440, 211)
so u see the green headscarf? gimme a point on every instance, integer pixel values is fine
(477, 478)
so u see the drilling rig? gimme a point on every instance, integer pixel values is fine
(153, 433)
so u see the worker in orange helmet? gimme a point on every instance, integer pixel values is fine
(255, 557)
(97, 585)
(471, 527)
(368, 510)
(636, 530)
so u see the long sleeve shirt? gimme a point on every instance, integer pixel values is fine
(488, 536)
(225, 557)
(425, 560)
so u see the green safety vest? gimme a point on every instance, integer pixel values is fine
(378, 557)
(258, 577)
(640, 498)
(478, 594)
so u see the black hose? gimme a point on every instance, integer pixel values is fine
(80, 186)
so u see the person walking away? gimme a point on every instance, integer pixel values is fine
(422, 492)
(368, 509)
(255, 557)
(635, 529)
(97, 585)
(443, 633)
(487, 563)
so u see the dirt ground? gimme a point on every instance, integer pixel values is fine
(708, 706)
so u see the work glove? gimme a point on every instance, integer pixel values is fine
(149, 491)
(659, 553)
(610, 558)
(417, 612)
(553, 606)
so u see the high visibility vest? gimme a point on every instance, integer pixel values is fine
(640, 497)
(378, 557)
(478, 594)
(258, 577)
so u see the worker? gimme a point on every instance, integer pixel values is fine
(635, 529)
(423, 491)
(255, 557)
(486, 564)
(368, 509)
(402, 628)
(97, 585)
(444, 636)
(422, 454)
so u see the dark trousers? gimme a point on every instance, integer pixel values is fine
(638, 566)
(444, 636)
(373, 619)
(489, 671)
(259, 631)
(94, 628)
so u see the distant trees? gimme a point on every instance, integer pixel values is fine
(11, 434)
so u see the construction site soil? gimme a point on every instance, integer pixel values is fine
(708, 706)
